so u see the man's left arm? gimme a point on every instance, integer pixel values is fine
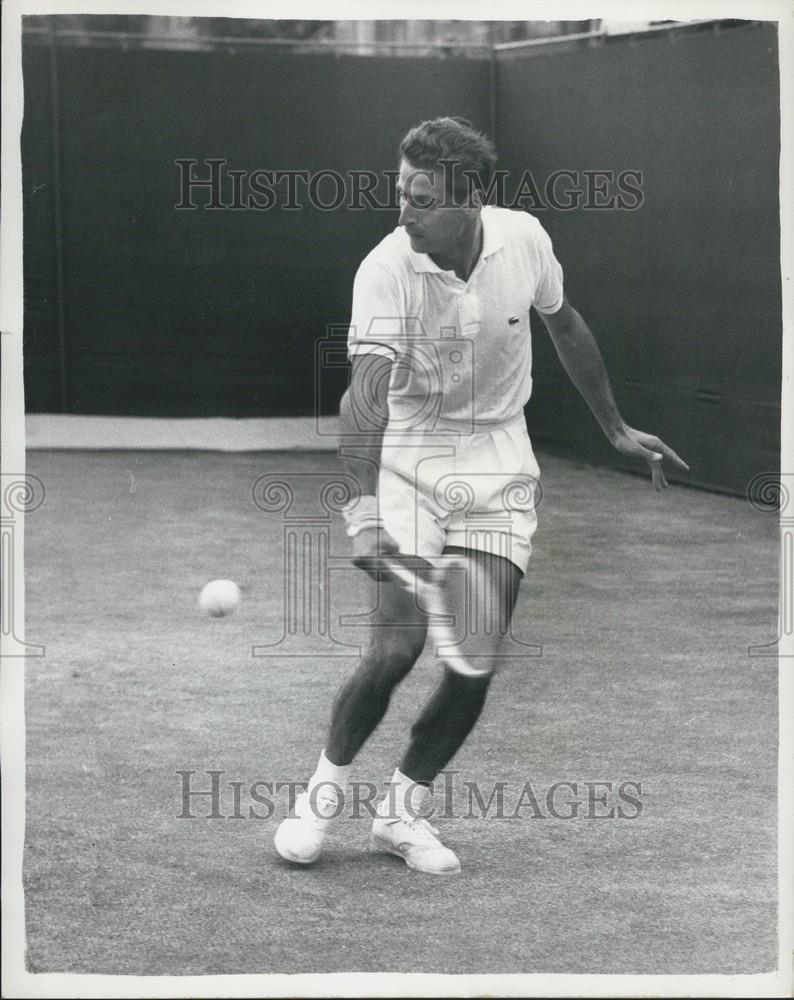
(581, 358)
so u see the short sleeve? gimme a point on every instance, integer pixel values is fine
(376, 322)
(548, 289)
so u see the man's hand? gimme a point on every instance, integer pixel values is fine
(637, 444)
(582, 360)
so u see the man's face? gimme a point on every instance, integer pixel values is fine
(435, 226)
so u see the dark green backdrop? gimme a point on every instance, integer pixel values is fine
(135, 307)
(684, 293)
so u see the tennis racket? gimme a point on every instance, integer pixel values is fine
(422, 578)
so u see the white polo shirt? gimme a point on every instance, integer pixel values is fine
(462, 349)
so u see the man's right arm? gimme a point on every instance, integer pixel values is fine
(363, 416)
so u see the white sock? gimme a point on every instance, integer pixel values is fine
(333, 778)
(404, 797)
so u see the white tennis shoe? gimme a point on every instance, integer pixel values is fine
(301, 835)
(414, 840)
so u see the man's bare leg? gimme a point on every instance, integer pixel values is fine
(483, 596)
(395, 643)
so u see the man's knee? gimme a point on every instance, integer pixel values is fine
(392, 655)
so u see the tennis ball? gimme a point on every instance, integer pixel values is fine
(219, 598)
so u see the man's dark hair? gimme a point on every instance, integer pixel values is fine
(453, 145)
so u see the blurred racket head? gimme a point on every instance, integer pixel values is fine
(429, 582)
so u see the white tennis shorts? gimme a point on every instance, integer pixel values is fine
(478, 491)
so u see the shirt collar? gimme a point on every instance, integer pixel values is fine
(492, 240)
(493, 237)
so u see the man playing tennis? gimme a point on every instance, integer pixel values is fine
(433, 430)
